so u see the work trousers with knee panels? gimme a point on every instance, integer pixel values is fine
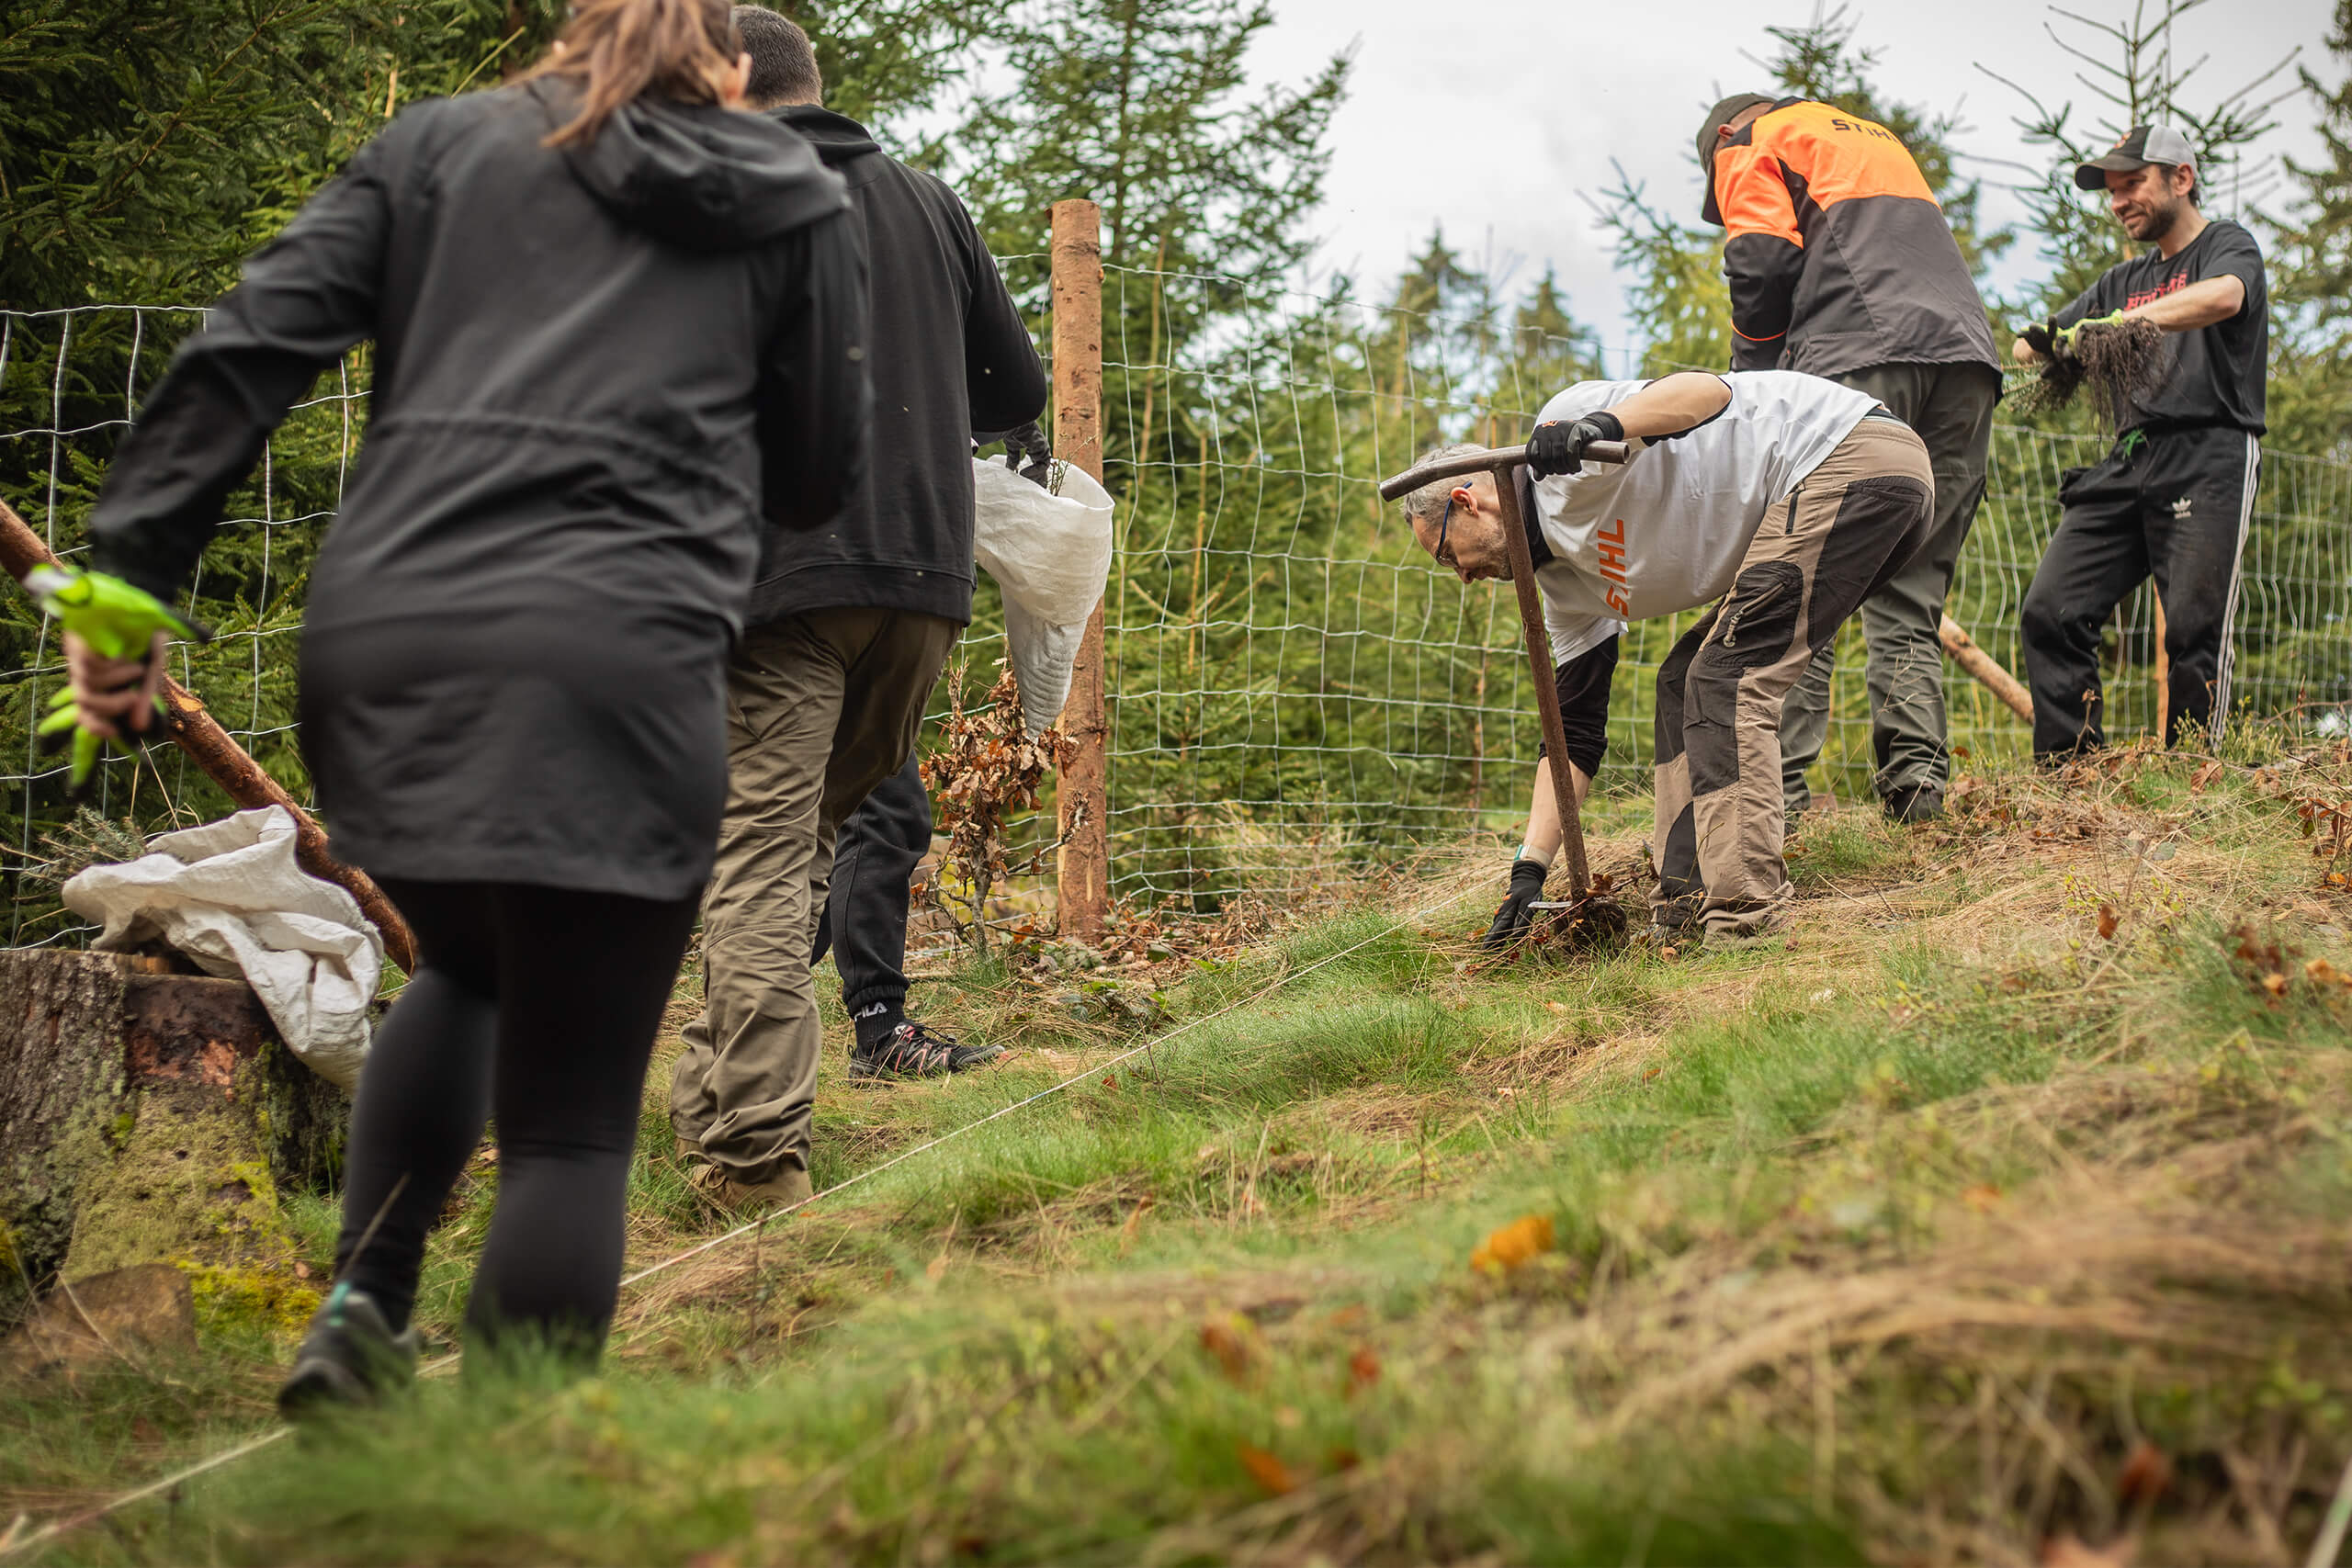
(2174, 505)
(1852, 525)
(821, 707)
(1950, 406)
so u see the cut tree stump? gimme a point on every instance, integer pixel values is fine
(147, 1118)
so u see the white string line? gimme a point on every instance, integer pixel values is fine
(12, 1545)
(1071, 1082)
(9, 1547)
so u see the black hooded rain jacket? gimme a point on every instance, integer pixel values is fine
(602, 374)
(950, 356)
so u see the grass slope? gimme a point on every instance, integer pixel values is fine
(2005, 1212)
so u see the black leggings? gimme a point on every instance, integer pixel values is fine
(537, 1006)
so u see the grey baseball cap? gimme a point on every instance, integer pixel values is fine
(1709, 137)
(2142, 145)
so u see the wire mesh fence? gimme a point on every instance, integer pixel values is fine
(1298, 689)
(1295, 691)
(70, 384)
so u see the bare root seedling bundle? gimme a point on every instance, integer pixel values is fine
(2117, 362)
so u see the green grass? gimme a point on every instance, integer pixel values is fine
(1893, 1246)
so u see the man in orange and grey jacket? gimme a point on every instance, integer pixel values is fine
(1842, 264)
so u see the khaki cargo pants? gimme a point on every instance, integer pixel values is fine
(821, 707)
(1852, 524)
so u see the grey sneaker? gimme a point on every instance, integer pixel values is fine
(349, 1356)
(910, 1051)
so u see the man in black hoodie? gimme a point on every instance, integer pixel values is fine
(849, 626)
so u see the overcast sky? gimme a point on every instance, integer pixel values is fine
(1490, 116)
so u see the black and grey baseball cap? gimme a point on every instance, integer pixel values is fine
(1709, 134)
(2142, 145)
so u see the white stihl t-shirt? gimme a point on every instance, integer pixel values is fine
(1667, 530)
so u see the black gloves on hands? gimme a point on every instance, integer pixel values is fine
(1028, 450)
(2043, 338)
(1557, 448)
(1512, 921)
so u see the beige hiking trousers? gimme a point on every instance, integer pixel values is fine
(821, 708)
(1850, 526)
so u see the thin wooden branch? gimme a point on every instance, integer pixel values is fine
(228, 764)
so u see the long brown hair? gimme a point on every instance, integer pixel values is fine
(617, 51)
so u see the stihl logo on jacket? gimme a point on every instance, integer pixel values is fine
(1837, 256)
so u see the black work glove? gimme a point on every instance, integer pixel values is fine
(1028, 450)
(1557, 448)
(1512, 921)
(2043, 338)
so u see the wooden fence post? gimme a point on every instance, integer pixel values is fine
(1083, 870)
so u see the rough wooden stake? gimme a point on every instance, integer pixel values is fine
(2164, 674)
(1986, 668)
(229, 765)
(1083, 864)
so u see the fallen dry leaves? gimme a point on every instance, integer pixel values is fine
(1268, 1471)
(1235, 1343)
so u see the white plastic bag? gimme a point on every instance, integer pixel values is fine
(1050, 551)
(230, 897)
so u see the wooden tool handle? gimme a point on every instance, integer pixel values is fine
(1965, 653)
(229, 765)
(1548, 691)
(1490, 461)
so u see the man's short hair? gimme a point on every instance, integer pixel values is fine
(784, 64)
(1429, 499)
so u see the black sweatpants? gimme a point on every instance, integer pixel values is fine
(2175, 505)
(537, 1006)
(873, 872)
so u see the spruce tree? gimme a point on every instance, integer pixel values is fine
(2310, 356)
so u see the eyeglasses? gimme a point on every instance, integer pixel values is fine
(1443, 524)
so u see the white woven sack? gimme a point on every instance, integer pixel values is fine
(230, 897)
(1051, 554)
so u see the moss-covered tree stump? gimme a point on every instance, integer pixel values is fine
(147, 1118)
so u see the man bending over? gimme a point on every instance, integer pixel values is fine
(1782, 499)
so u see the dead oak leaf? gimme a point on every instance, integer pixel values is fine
(1511, 1246)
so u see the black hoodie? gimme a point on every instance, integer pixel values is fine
(590, 364)
(950, 356)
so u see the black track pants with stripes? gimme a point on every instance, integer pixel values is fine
(2174, 507)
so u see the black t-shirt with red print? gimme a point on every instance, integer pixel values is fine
(2217, 372)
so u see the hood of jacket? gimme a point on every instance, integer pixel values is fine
(839, 140)
(698, 175)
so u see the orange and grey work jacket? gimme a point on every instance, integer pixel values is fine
(1838, 257)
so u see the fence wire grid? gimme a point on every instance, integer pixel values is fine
(1295, 691)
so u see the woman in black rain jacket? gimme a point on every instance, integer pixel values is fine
(618, 330)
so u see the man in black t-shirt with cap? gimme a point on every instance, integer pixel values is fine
(2173, 497)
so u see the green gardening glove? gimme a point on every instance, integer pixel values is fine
(118, 620)
(2066, 335)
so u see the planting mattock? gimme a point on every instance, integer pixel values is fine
(1499, 462)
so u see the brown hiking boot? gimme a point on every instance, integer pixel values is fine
(723, 1192)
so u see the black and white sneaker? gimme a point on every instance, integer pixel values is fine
(349, 1356)
(910, 1051)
